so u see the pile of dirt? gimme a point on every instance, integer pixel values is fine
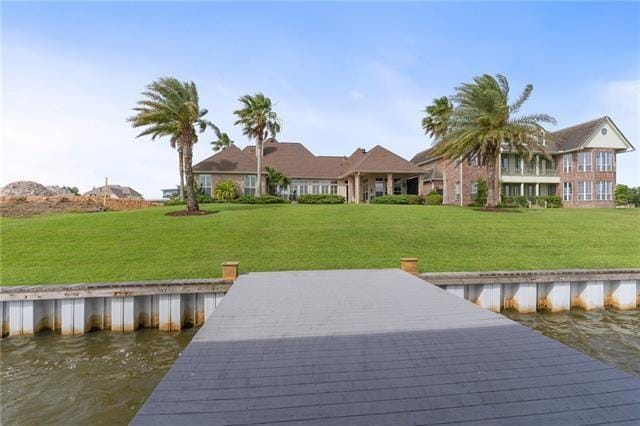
(25, 188)
(22, 206)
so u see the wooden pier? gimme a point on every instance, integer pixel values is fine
(378, 348)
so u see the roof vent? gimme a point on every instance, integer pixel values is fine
(603, 131)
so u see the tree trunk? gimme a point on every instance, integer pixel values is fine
(259, 145)
(181, 168)
(492, 202)
(187, 147)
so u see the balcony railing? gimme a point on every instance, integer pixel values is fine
(512, 171)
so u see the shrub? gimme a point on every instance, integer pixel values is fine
(398, 199)
(514, 201)
(265, 199)
(433, 199)
(226, 190)
(480, 198)
(553, 202)
(625, 195)
(320, 199)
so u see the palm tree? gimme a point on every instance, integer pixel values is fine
(275, 179)
(437, 117)
(258, 122)
(482, 122)
(171, 108)
(223, 141)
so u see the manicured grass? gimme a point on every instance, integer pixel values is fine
(146, 244)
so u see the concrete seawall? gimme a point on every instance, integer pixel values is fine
(175, 304)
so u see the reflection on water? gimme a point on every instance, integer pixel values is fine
(99, 378)
(103, 377)
(609, 335)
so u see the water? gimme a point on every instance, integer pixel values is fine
(99, 378)
(609, 335)
(103, 377)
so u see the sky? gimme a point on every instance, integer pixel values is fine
(341, 75)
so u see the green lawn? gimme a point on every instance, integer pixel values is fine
(146, 244)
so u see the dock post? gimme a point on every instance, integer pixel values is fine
(588, 295)
(525, 298)
(559, 297)
(170, 313)
(409, 264)
(230, 270)
(623, 294)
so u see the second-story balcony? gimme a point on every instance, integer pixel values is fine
(528, 171)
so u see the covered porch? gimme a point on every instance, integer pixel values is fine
(363, 187)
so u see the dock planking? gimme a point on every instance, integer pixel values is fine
(378, 347)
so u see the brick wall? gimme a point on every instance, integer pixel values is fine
(592, 176)
(470, 174)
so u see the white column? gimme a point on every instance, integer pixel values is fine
(522, 189)
(623, 294)
(589, 295)
(525, 298)
(457, 290)
(537, 189)
(489, 297)
(559, 297)
(356, 190)
(537, 166)
(389, 183)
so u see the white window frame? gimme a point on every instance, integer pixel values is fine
(604, 161)
(583, 165)
(567, 163)
(474, 188)
(585, 190)
(379, 182)
(604, 190)
(204, 181)
(567, 191)
(474, 160)
(457, 191)
(250, 185)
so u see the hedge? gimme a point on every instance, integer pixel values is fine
(265, 199)
(320, 199)
(514, 201)
(433, 199)
(553, 202)
(398, 199)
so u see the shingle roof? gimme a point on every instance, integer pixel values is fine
(573, 137)
(296, 161)
(230, 160)
(117, 190)
(380, 160)
(423, 156)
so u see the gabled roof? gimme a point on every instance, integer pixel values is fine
(432, 172)
(424, 156)
(379, 160)
(575, 136)
(229, 160)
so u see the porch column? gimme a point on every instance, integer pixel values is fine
(421, 190)
(537, 166)
(522, 189)
(537, 189)
(350, 197)
(389, 183)
(356, 191)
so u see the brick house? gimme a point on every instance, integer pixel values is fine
(115, 191)
(581, 168)
(358, 177)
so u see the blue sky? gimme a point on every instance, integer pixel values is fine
(341, 75)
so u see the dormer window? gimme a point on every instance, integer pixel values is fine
(603, 131)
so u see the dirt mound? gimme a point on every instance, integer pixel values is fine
(25, 188)
(20, 206)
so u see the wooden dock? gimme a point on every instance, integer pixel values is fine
(378, 347)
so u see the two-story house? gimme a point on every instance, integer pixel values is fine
(580, 168)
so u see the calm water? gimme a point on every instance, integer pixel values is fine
(99, 378)
(608, 335)
(103, 378)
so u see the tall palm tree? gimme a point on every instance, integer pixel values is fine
(436, 117)
(482, 122)
(223, 141)
(258, 122)
(171, 108)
